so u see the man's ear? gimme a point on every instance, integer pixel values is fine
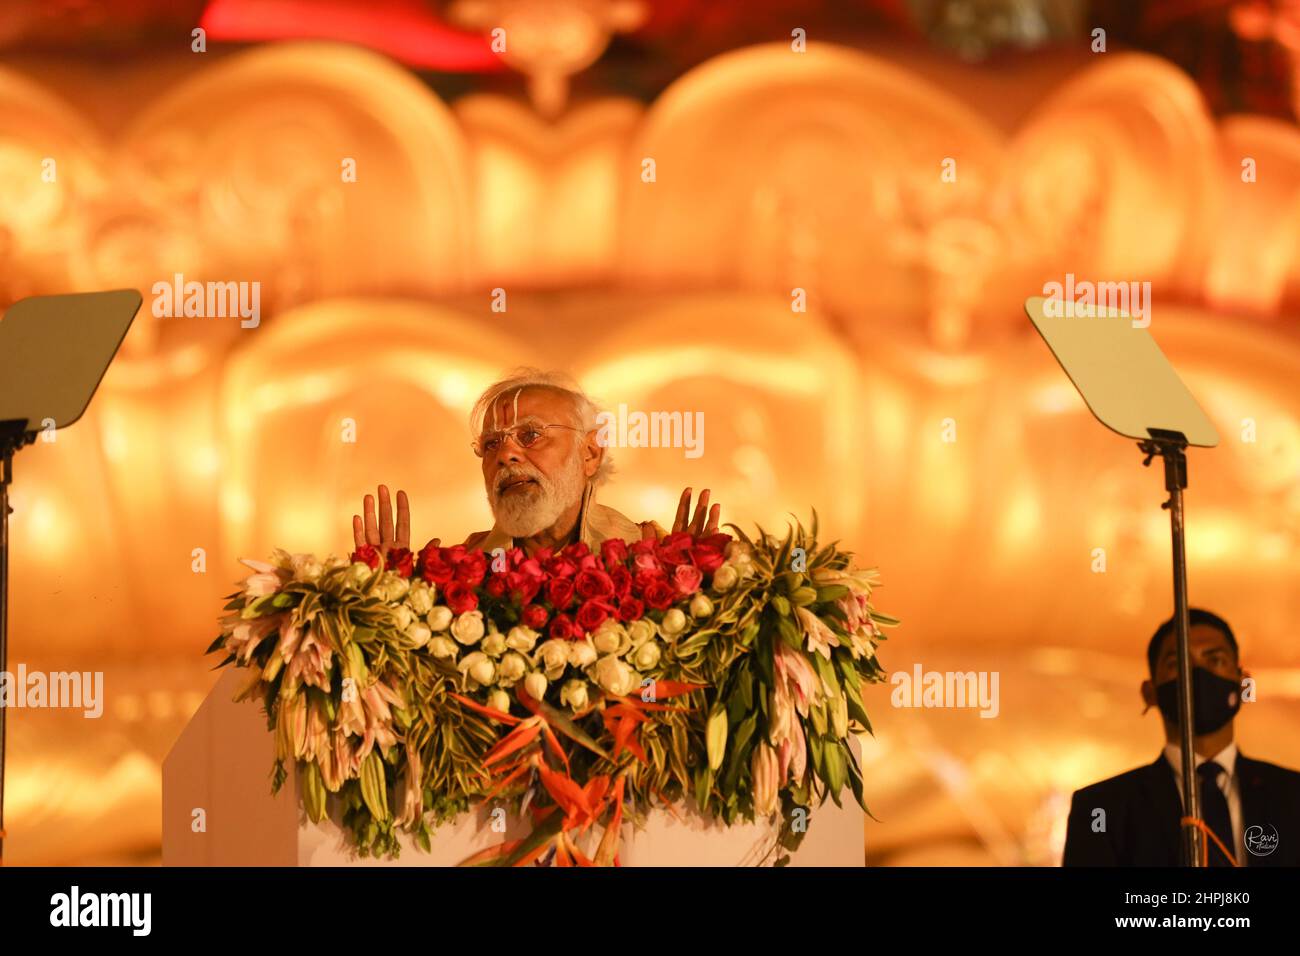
(593, 453)
(1149, 694)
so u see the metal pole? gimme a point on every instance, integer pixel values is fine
(1171, 446)
(1192, 836)
(6, 473)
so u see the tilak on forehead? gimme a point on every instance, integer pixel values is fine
(496, 411)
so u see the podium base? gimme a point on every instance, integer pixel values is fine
(218, 810)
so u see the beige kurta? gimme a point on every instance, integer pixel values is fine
(596, 523)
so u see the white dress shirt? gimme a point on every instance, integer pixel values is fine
(1227, 759)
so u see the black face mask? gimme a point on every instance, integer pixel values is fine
(1215, 700)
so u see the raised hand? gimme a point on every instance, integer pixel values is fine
(705, 519)
(380, 530)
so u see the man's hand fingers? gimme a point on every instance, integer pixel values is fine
(358, 531)
(385, 517)
(701, 511)
(403, 520)
(372, 528)
(714, 513)
(683, 511)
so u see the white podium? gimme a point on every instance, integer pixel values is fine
(222, 762)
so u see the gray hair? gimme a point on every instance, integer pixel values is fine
(586, 411)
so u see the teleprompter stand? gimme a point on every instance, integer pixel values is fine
(54, 350)
(1131, 388)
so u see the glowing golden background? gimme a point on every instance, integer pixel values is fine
(774, 171)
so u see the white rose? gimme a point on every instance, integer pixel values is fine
(536, 683)
(611, 638)
(468, 628)
(479, 667)
(553, 656)
(499, 700)
(581, 653)
(442, 647)
(741, 557)
(574, 694)
(417, 635)
(615, 676)
(405, 617)
(393, 586)
(673, 624)
(494, 645)
(701, 606)
(521, 638)
(725, 578)
(306, 568)
(357, 575)
(640, 631)
(512, 667)
(439, 618)
(646, 656)
(421, 599)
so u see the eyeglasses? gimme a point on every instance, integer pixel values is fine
(525, 436)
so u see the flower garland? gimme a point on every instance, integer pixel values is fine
(575, 686)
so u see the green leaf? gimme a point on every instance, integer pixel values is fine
(703, 787)
(745, 686)
(789, 633)
(739, 751)
(835, 769)
(826, 671)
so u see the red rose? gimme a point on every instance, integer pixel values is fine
(368, 555)
(561, 567)
(460, 597)
(660, 594)
(528, 590)
(614, 551)
(642, 580)
(591, 614)
(644, 561)
(436, 568)
(497, 585)
(400, 560)
(535, 616)
(562, 628)
(676, 548)
(621, 578)
(630, 609)
(686, 578)
(559, 591)
(593, 584)
(706, 558)
(471, 568)
(575, 552)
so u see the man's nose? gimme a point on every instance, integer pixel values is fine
(508, 453)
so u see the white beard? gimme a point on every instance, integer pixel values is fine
(522, 514)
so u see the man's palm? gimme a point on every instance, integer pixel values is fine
(379, 529)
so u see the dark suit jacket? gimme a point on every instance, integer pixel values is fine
(1143, 808)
